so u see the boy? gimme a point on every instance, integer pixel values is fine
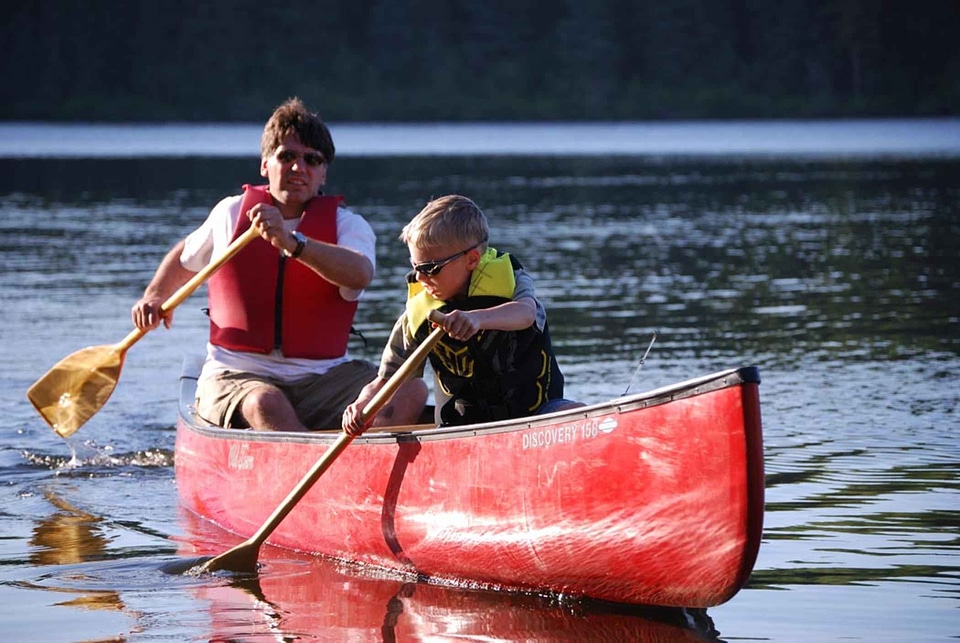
(495, 361)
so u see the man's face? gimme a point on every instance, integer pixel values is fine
(295, 172)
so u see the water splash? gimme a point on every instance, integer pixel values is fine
(91, 456)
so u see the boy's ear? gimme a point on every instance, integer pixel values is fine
(473, 259)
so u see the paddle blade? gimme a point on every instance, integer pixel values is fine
(77, 387)
(242, 558)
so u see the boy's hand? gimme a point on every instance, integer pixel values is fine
(352, 420)
(461, 324)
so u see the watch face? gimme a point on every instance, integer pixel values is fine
(301, 242)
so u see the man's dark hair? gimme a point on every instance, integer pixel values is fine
(293, 117)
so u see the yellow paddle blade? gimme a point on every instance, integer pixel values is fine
(77, 387)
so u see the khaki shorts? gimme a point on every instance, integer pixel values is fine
(318, 400)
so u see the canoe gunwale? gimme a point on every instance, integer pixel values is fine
(426, 432)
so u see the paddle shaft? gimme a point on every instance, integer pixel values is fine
(195, 282)
(382, 397)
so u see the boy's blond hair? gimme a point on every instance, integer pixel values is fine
(448, 220)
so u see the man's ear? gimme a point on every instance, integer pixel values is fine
(263, 167)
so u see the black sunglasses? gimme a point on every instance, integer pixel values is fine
(313, 159)
(433, 268)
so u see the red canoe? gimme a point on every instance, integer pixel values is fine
(654, 498)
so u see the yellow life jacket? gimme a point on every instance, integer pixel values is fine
(495, 375)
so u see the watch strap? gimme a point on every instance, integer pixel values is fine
(301, 244)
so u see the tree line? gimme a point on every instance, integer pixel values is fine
(422, 60)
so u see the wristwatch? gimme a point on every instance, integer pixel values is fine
(301, 244)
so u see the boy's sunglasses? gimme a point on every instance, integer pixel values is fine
(433, 268)
(313, 159)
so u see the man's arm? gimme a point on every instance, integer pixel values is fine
(340, 266)
(170, 275)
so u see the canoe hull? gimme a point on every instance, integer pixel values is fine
(654, 499)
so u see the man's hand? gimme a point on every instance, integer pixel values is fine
(146, 314)
(268, 222)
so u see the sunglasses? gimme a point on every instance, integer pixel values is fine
(313, 159)
(433, 268)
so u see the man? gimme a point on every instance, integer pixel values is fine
(282, 308)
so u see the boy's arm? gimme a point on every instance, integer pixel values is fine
(522, 312)
(394, 355)
(351, 422)
(513, 315)
(397, 350)
(524, 289)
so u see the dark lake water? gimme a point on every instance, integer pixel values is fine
(836, 272)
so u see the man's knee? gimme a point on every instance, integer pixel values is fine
(261, 401)
(259, 395)
(415, 392)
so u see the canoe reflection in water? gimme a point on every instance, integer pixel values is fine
(298, 595)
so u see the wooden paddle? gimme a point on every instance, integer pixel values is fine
(79, 385)
(243, 557)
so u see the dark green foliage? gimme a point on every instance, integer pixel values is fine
(417, 60)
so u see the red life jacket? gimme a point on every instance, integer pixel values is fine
(260, 300)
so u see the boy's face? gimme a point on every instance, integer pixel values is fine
(449, 280)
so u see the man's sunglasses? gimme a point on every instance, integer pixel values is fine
(433, 268)
(313, 159)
